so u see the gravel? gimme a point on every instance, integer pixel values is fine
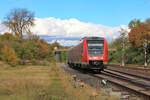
(109, 88)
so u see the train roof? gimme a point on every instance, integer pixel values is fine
(94, 38)
(75, 45)
(88, 38)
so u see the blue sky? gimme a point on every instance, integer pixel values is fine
(67, 21)
(106, 12)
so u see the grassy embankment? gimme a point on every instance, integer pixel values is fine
(41, 83)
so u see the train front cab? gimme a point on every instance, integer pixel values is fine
(95, 52)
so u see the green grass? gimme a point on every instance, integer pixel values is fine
(29, 83)
(40, 83)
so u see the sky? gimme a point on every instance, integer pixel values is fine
(70, 19)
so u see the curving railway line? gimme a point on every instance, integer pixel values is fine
(137, 75)
(133, 69)
(136, 83)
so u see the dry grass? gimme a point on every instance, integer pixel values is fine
(41, 83)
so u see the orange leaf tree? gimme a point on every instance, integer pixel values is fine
(138, 34)
(45, 49)
(8, 55)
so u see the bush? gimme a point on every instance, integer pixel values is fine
(8, 55)
(27, 50)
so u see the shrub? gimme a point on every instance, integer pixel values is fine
(27, 50)
(8, 55)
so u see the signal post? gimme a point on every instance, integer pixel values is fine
(145, 53)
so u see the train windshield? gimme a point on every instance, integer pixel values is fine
(95, 44)
(95, 47)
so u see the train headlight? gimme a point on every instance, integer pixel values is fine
(90, 57)
(93, 57)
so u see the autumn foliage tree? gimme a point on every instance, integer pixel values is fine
(9, 56)
(19, 21)
(138, 34)
(45, 49)
(135, 23)
(134, 48)
(16, 45)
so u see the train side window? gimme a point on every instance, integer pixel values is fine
(82, 49)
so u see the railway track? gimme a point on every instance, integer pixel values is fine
(133, 69)
(136, 83)
(139, 84)
(130, 73)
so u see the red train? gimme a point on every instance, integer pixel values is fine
(91, 53)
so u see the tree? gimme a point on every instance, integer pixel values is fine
(19, 21)
(7, 36)
(147, 21)
(8, 55)
(45, 49)
(135, 23)
(124, 39)
(137, 35)
(56, 44)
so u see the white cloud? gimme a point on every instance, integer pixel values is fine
(73, 28)
(3, 29)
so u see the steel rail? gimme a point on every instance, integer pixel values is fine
(141, 83)
(129, 73)
(117, 81)
(144, 93)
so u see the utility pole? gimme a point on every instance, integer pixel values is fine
(55, 56)
(123, 36)
(145, 52)
(123, 51)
